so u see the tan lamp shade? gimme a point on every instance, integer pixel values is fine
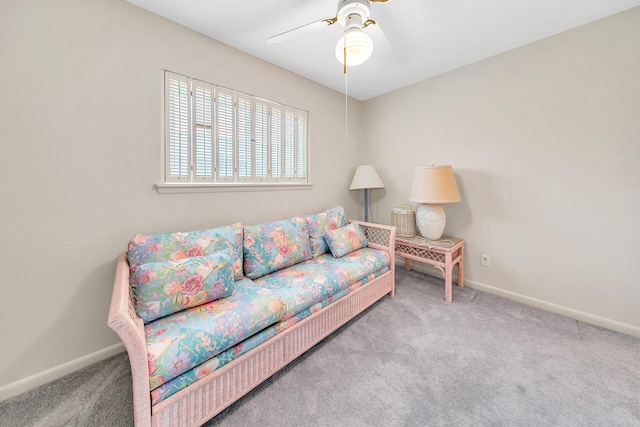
(434, 184)
(366, 177)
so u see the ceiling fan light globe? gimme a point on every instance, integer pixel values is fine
(359, 48)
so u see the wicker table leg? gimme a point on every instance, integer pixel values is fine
(448, 273)
(461, 268)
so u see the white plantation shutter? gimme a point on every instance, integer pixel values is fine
(289, 144)
(214, 135)
(177, 128)
(225, 134)
(261, 139)
(276, 142)
(245, 154)
(301, 146)
(203, 131)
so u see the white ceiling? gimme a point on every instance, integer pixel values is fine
(427, 37)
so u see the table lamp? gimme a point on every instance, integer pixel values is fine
(433, 185)
(366, 178)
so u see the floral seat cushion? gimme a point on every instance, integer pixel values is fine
(189, 377)
(181, 341)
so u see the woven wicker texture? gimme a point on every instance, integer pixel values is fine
(378, 236)
(205, 398)
(404, 221)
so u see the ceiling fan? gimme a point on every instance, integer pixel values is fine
(355, 47)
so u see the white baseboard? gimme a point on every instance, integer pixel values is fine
(18, 387)
(582, 316)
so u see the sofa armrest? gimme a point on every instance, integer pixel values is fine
(124, 320)
(380, 236)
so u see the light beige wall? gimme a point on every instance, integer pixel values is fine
(545, 144)
(80, 111)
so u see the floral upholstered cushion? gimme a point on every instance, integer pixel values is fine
(189, 377)
(166, 287)
(274, 245)
(180, 342)
(319, 223)
(177, 246)
(345, 239)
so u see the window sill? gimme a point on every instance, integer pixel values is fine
(176, 188)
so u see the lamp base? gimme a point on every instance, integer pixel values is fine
(430, 219)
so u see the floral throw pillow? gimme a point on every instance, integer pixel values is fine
(345, 239)
(166, 287)
(319, 223)
(275, 245)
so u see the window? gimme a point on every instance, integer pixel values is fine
(217, 135)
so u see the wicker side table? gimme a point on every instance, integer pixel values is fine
(443, 254)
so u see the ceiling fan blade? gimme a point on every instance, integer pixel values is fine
(382, 48)
(287, 35)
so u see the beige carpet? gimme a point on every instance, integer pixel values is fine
(412, 360)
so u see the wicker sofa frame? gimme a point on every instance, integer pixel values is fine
(204, 399)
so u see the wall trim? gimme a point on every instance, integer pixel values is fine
(581, 316)
(21, 386)
(198, 187)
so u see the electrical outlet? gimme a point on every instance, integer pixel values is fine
(486, 260)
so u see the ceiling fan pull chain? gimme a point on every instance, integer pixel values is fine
(345, 61)
(344, 49)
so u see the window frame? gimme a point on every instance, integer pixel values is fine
(210, 125)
